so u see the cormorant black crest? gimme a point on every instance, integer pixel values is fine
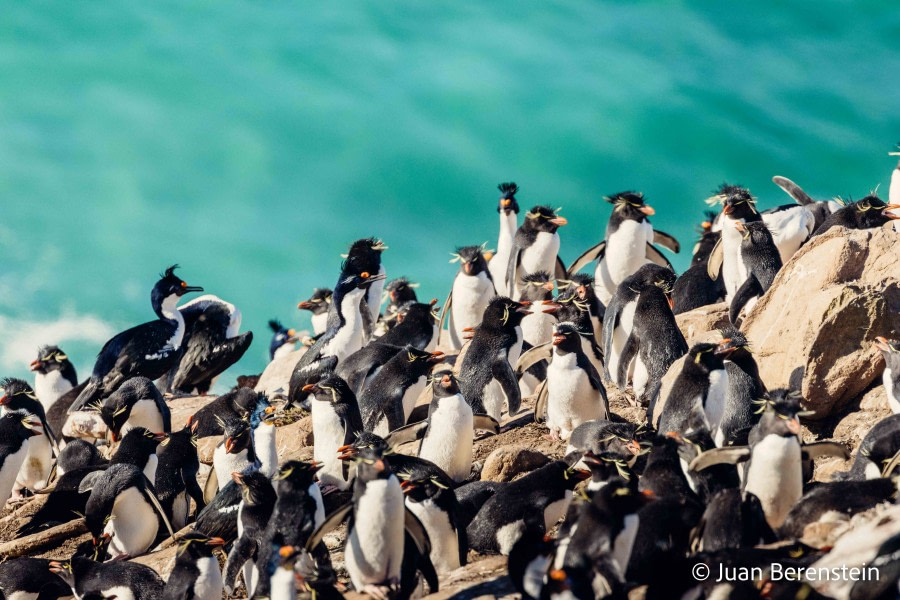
(508, 190)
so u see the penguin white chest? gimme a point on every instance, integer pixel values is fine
(570, 398)
(283, 584)
(150, 468)
(9, 470)
(319, 323)
(350, 337)
(444, 540)
(374, 549)
(36, 467)
(892, 387)
(620, 338)
(50, 387)
(775, 476)
(208, 585)
(541, 255)
(537, 328)
(119, 592)
(225, 464)
(471, 295)
(328, 433)
(790, 228)
(133, 524)
(714, 407)
(266, 449)
(733, 270)
(144, 413)
(626, 252)
(624, 543)
(448, 441)
(412, 394)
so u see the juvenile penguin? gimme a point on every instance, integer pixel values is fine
(435, 505)
(486, 374)
(137, 403)
(890, 349)
(148, 350)
(283, 340)
(16, 431)
(472, 291)
(54, 375)
(336, 421)
(450, 433)
(508, 209)
(535, 246)
(254, 513)
(17, 396)
(196, 573)
(575, 393)
(628, 244)
(176, 476)
(761, 262)
(703, 383)
(345, 333)
(319, 305)
(388, 399)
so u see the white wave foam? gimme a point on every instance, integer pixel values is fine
(21, 338)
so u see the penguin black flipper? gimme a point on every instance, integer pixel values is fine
(407, 433)
(716, 258)
(540, 402)
(593, 377)
(559, 270)
(532, 356)
(750, 289)
(211, 487)
(394, 413)
(89, 480)
(717, 456)
(590, 255)
(330, 523)
(816, 449)
(656, 257)
(503, 373)
(446, 311)
(415, 528)
(793, 190)
(150, 495)
(666, 241)
(629, 351)
(486, 423)
(515, 257)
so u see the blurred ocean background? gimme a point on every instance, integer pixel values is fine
(251, 142)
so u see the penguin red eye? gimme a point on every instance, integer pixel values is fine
(364, 275)
(183, 284)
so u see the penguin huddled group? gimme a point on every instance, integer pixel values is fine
(399, 392)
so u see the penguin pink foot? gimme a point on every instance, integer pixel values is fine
(381, 592)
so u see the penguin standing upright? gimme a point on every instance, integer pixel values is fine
(398, 292)
(575, 393)
(148, 350)
(628, 244)
(702, 383)
(364, 256)
(875, 453)
(695, 288)
(508, 209)
(388, 399)
(450, 432)
(535, 247)
(138, 447)
(19, 397)
(435, 505)
(137, 403)
(345, 334)
(16, 431)
(176, 476)
(762, 263)
(472, 291)
(744, 388)
(236, 452)
(579, 289)
(486, 374)
(196, 574)
(283, 340)
(335, 423)
(890, 349)
(319, 304)
(54, 375)
(254, 512)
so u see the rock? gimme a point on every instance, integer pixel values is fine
(293, 440)
(161, 561)
(813, 330)
(703, 324)
(206, 446)
(183, 408)
(506, 462)
(277, 375)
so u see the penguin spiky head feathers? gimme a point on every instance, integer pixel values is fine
(444, 384)
(254, 485)
(364, 256)
(781, 412)
(706, 356)
(537, 286)
(580, 286)
(331, 388)
(755, 233)
(419, 488)
(50, 358)
(471, 259)
(508, 203)
(400, 291)
(319, 301)
(737, 202)
(14, 390)
(629, 205)
(196, 545)
(238, 435)
(298, 473)
(504, 312)
(733, 339)
(544, 218)
(370, 465)
(365, 440)
(566, 337)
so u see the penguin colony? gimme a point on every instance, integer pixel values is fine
(717, 475)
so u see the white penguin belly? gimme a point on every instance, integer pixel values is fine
(537, 328)
(570, 398)
(133, 524)
(640, 375)
(790, 228)
(449, 439)
(50, 387)
(283, 350)
(283, 584)
(891, 389)
(500, 261)
(493, 398)
(266, 449)
(715, 400)
(150, 468)
(733, 270)
(319, 323)
(541, 255)
(374, 549)
(36, 468)
(225, 464)
(775, 476)
(180, 510)
(145, 414)
(351, 336)
(208, 585)
(9, 471)
(626, 252)
(119, 592)
(471, 295)
(444, 540)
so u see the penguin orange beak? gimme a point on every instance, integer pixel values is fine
(316, 465)
(706, 225)
(739, 225)
(634, 447)
(305, 305)
(559, 221)
(647, 210)
(216, 541)
(727, 209)
(436, 357)
(238, 478)
(793, 426)
(523, 309)
(346, 452)
(467, 268)
(590, 457)
(724, 348)
(558, 339)
(379, 466)
(230, 443)
(548, 286)
(56, 567)
(310, 388)
(407, 485)
(582, 474)
(551, 307)
(887, 211)
(35, 365)
(882, 344)
(160, 436)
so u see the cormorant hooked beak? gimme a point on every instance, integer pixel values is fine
(186, 289)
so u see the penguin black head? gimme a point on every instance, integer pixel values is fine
(543, 219)
(365, 440)
(22, 423)
(16, 394)
(281, 335)
(318, 303)
(116, 408)
(400, 291)
(890, 349)
(581, 287)
(255, 486)
(238, 436)
(608, 465)
(737, 202)
(503, 312)
(508, 203)
(194, 545)
(370, 465)
(872, 211)
(364, 256)
(444, 385)
(471, 260)
(706, 357)
(423, 358)
(170, 286)
(139, 442)
(566, 338)
(50, 358)
(537, 286)
(298, 473)
(350, 281)
(422, 487)
(629, 206)
(652, 275)
(734, 343)
(755, 233)
(95, 548)
(332, 388)
(781, 413)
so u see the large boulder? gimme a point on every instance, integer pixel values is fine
(702, 324)
(813, 330)
(277, 375)
(507, 462)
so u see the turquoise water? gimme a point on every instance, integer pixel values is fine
(251, 142)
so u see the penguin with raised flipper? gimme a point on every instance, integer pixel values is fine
(336, 422)
(388, 399)
(535, 247)
(283, 340)
(508, 209)
(17, 429)
(435, 505)
(253, 515)
(319, 305)
(469, 297)
(196, 573)
(820, 210)
(176, 476)
(17, 396)
(137, 403)
(890, 349)
(486, 373)
(761, 263)
(628, 244)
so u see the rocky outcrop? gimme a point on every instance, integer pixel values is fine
(813, 330)
(277, 375)
(506, 462)
(702, 324)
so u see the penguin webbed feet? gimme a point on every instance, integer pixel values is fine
(382, 591)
